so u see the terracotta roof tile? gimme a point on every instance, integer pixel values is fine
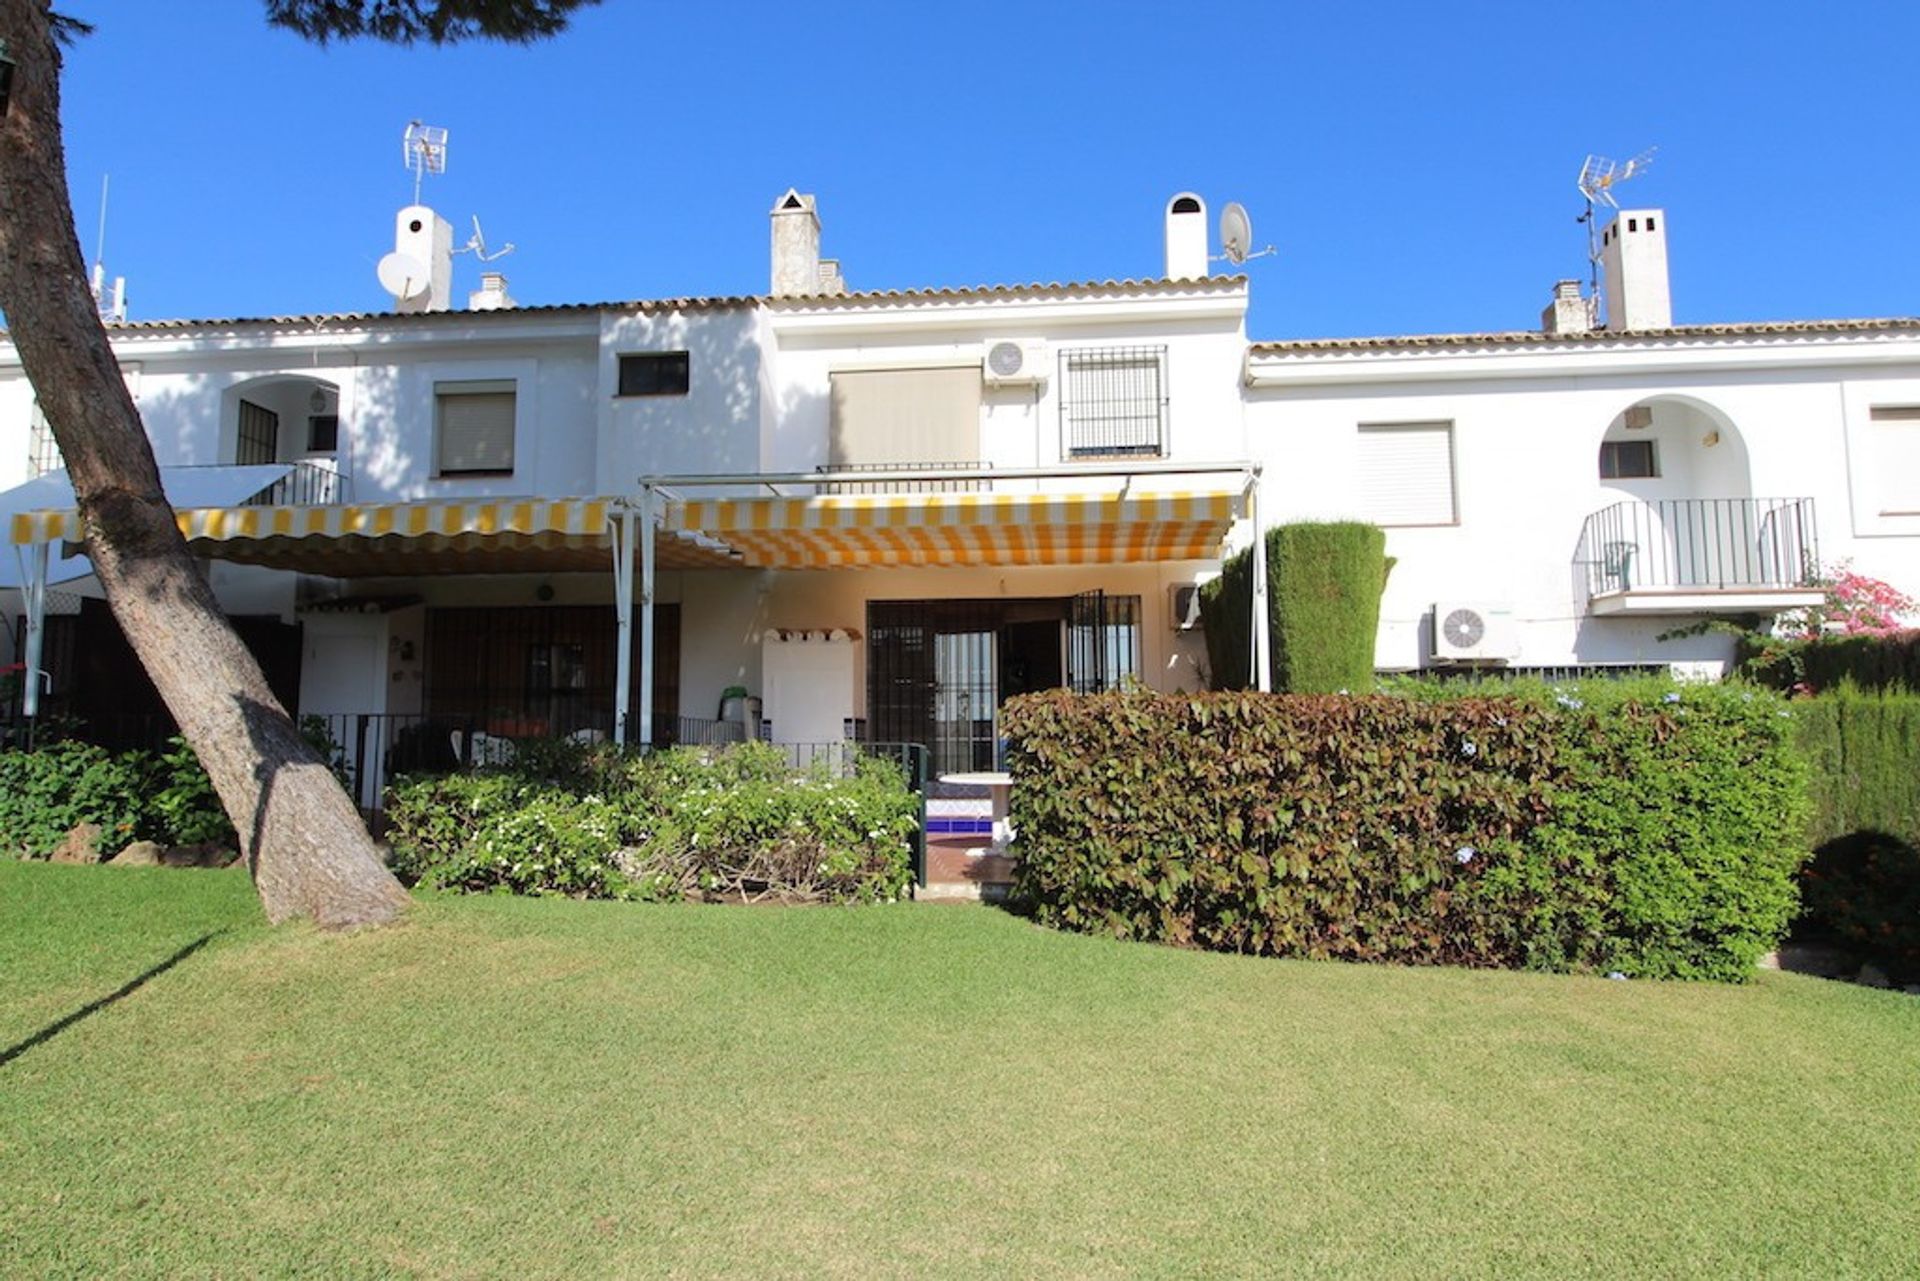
(1529, 338)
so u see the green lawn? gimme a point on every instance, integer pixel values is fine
(530, 1088)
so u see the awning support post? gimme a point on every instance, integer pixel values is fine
(623, 610)
(649, 509)
(1262, 622)
(33, 578)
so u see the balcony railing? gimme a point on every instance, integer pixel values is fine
(309, 484)
(968, 478)
(1699, 545)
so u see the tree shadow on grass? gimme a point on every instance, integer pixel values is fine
(126, 989)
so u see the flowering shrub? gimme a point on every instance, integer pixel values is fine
(737, 823)
(1855, 606)
(1605, 827)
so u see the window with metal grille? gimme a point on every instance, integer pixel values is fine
(43, 451)
(1113, 401)
(259, 437)
(475, 422)
(655, 373)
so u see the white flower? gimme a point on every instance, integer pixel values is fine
(1671, 697)
(1469, 748)
(1464, 855)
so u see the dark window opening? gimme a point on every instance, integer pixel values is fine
(1649, 224)
(1186, 204)
(655, 373)
(1633, 224)
(1628, 460)
(259, 437)
(323, 433)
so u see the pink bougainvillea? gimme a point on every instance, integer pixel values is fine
(1855, 606)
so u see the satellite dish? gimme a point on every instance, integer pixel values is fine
(1236, 232)
(403, 276)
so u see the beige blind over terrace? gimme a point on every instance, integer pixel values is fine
(905, 416)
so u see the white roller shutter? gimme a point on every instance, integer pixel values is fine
(1896, 450)
(1405, 475)
(476, 426)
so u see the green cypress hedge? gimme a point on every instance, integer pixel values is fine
(1627, 826)
(1863, 885)
(1323, 598)
(1890, 661)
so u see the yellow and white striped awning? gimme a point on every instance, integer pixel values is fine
(494, 536)
(963, 529)
(524, 535)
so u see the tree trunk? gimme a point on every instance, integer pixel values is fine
(301, 836)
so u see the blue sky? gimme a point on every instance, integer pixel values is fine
(1413, 164)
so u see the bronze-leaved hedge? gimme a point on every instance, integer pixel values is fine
(1636, 828)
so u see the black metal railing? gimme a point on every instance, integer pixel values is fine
(968, 478)
(309, 484)
(1701, 544)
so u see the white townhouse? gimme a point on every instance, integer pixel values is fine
(881, 514)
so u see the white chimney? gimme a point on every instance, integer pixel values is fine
(492, 293)
(426, 238)
(796, 247)
(1633, 253)
(1186, 237)
(1568, 313)
(831, 282)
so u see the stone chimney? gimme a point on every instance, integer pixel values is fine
(1633, 254)
(796, 247)
(492, 293)
(1568, 313)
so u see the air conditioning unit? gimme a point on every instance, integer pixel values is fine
(1472, 633)
(1015, 363)
(1183, 605)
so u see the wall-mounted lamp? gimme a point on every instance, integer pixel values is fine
(1709, 440)
(544, 592)
(6, 77)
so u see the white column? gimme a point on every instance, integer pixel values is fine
(33, 579)
(1262, 623)
(649, 505)
(623, 525)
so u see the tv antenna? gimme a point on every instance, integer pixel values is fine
(477, 245)
(1598, 177)
(112, 307)
(424, 148)
(1236, 235)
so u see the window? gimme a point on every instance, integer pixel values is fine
(655, 373)
(259, 439)
(323, 433)
(1113, 401)
(1628, 460)
(1405, 473)
(475, 426)
(1896, 458)
(905, 417)
(43, 451)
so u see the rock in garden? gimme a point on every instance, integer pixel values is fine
(205, 854)
(1873, 976)
(138, 854)
(81, 845)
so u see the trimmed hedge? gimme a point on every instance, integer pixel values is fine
(1863, 885)
(1628, 827)
(1324, 581)
(1890, 661)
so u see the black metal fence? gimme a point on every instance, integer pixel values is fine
(1704, 544)
(309, 484)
